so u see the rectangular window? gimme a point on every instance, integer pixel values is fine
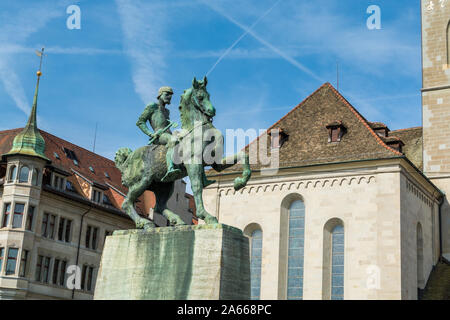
(83, 277)
(58, 182)
(89, 279)
(51, 227)
(68, 233)
(2, 252)
(6, 213)
(64, 229)
(96, 196)
(46, 269)
(23, 263)
(55, 271)
(94, 238)
(62, 273)
(12, 261)
(18, 215)
(61, 228)
(44, 225)
(30, 216)
(88, 237)
(38, 274)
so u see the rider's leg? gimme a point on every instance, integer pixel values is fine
(171, 170)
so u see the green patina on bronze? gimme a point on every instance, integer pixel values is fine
(184, 262)
(151, 167)
(29, 142)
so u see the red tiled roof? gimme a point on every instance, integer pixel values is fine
(112, 184)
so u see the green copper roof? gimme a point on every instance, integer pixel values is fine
(30, 142)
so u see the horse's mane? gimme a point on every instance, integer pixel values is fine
(184, 111)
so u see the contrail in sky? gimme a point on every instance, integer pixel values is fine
(241, 37)
(264, 42)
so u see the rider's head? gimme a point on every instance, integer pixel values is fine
(165, 94)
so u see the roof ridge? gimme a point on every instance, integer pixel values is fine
(412, 128)
(362, 119)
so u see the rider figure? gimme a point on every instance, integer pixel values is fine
(158, 116)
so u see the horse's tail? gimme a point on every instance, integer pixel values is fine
(121, 156)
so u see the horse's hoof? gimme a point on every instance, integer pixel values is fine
(145, 224)
(239, 183)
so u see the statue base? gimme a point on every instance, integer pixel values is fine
(175, 263)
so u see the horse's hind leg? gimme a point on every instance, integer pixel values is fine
(195, 175)
(128, 205)
(163, 191)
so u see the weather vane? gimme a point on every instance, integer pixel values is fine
(40, 54)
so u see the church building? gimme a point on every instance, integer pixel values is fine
(354, 210)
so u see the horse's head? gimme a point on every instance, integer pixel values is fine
(196, 102)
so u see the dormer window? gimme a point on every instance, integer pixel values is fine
(278, 138)
(71, 155)
(58, 182)
(97, 195)
(336, 131)
(380, 129)
(395, 143)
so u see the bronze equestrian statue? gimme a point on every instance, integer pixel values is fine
(153, 168)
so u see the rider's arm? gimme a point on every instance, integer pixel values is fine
(142, 121)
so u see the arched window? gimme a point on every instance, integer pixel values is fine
(34, 179)
(448, 45)
(24, 172)
(254, 232)
(419, 239)
(337, 263)
(12, 173)
(255, 264)
(333, 260)
(295, 250)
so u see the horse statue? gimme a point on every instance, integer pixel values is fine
(144, 168)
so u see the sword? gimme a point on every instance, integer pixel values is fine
(159, 132)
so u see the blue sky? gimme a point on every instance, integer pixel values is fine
(107, 71)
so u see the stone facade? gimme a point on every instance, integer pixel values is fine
(380, 204)
(70, 234)
(436, 104)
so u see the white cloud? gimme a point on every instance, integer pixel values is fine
(14, 30)
(264, 42)
(143, 26)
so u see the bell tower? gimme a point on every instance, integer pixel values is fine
(436, 103)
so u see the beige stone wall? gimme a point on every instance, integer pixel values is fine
(417, 207)
(436, 104)
(368, 200)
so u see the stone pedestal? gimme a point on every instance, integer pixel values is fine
(172, 263)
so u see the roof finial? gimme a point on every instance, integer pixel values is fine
(29, 141)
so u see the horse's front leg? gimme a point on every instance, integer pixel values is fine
(230, 161)
(195, 172)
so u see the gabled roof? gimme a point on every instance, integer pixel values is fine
(306, 125)
(110, 183)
